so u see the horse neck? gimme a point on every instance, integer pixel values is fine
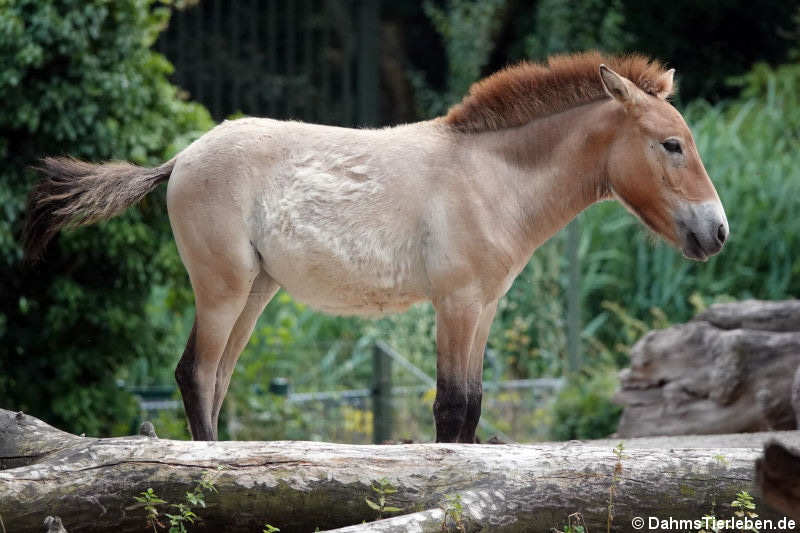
(547, 171)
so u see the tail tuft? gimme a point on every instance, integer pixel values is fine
(75, 193)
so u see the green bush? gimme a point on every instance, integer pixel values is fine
(583, 408)
(77, 77)
(467, 28)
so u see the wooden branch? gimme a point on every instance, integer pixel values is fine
(298, 486)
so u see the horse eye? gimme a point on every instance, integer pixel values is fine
(672, 146)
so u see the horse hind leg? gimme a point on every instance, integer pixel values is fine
(222, 286)
(264, 288)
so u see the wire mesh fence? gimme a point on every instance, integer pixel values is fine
(513, 410)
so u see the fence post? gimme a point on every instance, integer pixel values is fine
(381, 396)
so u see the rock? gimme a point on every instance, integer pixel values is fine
(728, 370)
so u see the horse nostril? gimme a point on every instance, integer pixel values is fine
(722, 234)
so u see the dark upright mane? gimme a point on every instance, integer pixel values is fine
(519, 94)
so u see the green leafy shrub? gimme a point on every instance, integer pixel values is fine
(77, 77)
(583, 408)
(467, 28)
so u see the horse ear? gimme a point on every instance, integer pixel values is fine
(666, 83)
(615, 85)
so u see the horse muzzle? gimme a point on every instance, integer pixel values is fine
(703, 229)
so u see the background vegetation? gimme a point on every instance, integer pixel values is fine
(78, 77)
(110, 304)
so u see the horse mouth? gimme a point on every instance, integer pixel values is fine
(692, 249)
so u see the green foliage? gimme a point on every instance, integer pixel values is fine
(744, 510)
(183, 513)
(583, 408)
(530, 329)
(704, 40)
(619, 450)
(453, 510)
(382, 488)
(314, 351)
(178, 520)
(560, 29)
(150, 502)
(467, 28)
(744, 506)
(77, 77)
(574, 524)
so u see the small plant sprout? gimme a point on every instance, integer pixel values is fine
(745, 507)
(711, 521)
(270, 529)
(454, 510)
(574, 524)
(612, 490)
(721, 459)
(382, 488)
(149, 501)
(183, 514)
(207, 482)
(177, 521)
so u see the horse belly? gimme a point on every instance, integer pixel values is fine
(356, 285)
(340, 245)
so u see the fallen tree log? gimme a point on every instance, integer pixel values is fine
(728, 370)
(297, 486)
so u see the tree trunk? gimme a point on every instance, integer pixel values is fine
(728, 370)
(297, 486)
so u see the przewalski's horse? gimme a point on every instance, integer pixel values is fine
(361, 221)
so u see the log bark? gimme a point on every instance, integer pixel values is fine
(729, 370)
(90, 483)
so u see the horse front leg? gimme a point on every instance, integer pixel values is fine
(456, 325)
(475, 375)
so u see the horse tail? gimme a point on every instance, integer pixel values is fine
(75, 193)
